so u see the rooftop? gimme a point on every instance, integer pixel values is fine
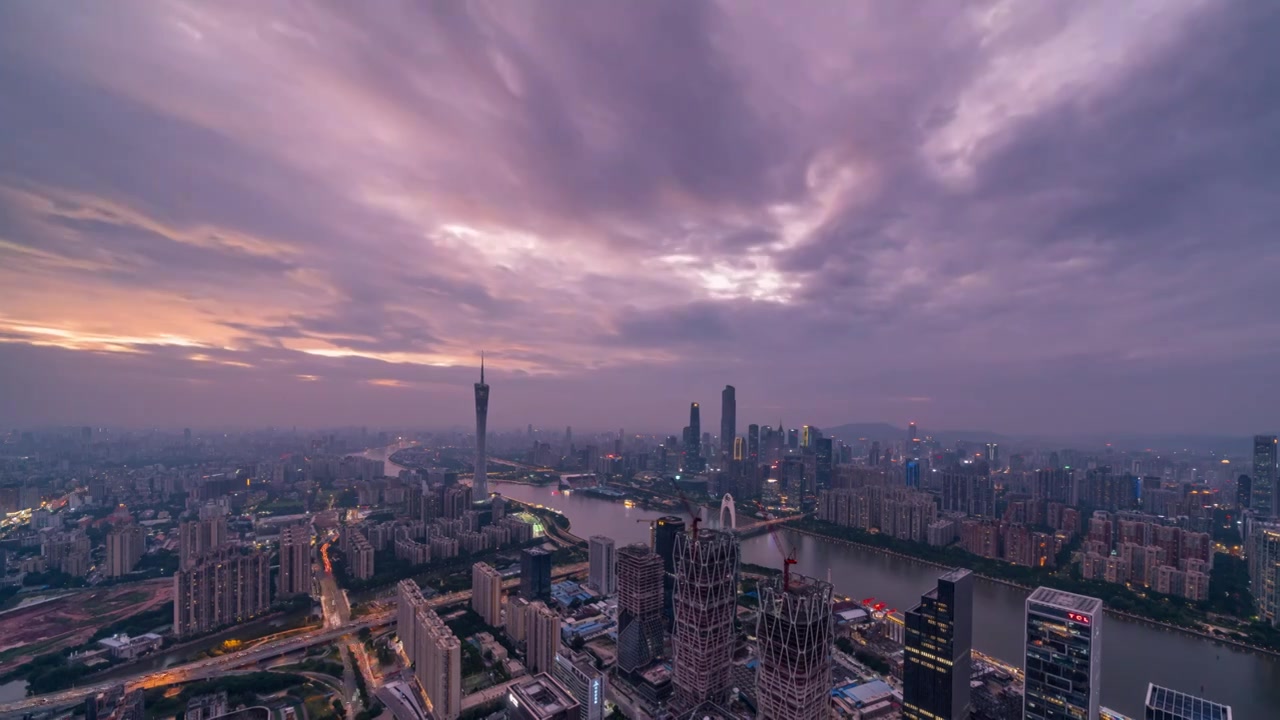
(1066, 601)
(1182, 705)
(542, 696)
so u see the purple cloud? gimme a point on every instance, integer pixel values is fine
(1054, 218)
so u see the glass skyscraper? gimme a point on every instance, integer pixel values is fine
(937, 660)
(535, 574)
(1264, 475)
(1063, 662)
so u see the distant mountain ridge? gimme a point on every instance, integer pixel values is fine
(885, 431)
(1235, 445)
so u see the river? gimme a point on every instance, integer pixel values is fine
(1133, 653)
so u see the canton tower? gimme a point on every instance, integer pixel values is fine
(480, 482)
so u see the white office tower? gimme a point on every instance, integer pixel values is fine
(1063, 663)
(604, 574)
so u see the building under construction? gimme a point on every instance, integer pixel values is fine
(794, 632)
(640, 626)
(706, 581)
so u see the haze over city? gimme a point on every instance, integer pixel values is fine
(1016, 217)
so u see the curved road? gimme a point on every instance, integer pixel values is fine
(208, 667)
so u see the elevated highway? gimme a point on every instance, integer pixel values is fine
(211, 667)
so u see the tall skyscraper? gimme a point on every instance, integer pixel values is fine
(1165, 704)
(1263, 552)
(795, 629)
(753, 444)
(1264, 475)
(640, 578)
(125, 546)
(486, 593)
(911, 433)
(705, 603)
(535, 574)
(873, 455)
(693, 441)
(665, 531)
(939, 638)
(603, 574)
(1244, 492)
(728, 422)
(480, 481)
(1063, 663)
(824, 461)
(434, 650)
(222, 588)
(295, 560)
(542, 638)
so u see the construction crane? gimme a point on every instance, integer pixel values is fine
(788, 559)
(694, 514)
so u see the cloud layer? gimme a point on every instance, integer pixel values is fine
(1048, 217)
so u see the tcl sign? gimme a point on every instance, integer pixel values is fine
(1079, 618)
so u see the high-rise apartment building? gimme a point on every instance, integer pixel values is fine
(295, 560)
(67, 552)
(434, 650)
(640, 626)
(794, 629)
(517, 613)
(359, 555)
(705, 602)
(224, 587)
(197, 538)
(1264, 569)
(587, 684)
(542, 637)
(486, 593)
(728, 422)
(603, 573)
(1165, 704)
(1264, 475)
(936, 663)
(480, 481)
(1063, 661)
(125, 546)
(535, 574)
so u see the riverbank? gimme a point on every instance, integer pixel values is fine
(1131, 617)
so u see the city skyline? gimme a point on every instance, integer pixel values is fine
(856, 213)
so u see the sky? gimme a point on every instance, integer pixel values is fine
(1024, 217)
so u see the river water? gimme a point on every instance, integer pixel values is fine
(1133, 653)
